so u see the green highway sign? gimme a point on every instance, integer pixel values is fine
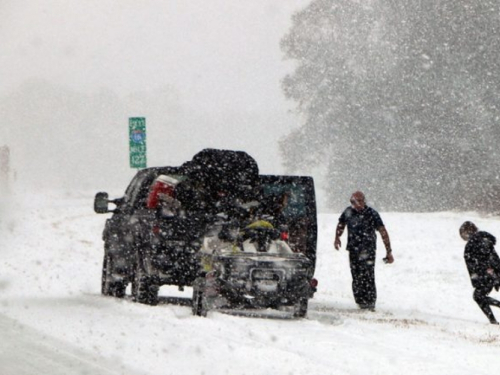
(137, 142)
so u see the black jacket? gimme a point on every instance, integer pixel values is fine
(480, 255)
(361, 228)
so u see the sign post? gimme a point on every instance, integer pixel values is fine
(137, 142)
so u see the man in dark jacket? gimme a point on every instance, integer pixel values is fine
(362, 222)
(483, 265)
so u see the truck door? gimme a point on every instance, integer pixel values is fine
(291, 202)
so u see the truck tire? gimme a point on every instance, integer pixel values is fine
(144, 290)
(301, 308)
(109, 286)
(199, 306)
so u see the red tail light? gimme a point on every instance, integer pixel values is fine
(284, 236)
(313, 283)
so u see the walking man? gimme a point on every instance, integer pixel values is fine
(483, 265)
(362, 222)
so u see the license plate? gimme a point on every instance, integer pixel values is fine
(266, 285)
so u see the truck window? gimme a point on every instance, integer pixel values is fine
(138, 189)
(294, 203)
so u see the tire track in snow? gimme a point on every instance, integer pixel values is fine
(336, 315)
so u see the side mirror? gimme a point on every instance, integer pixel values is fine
(101, 203)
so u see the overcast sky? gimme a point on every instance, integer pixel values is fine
(217, 53)
(221, 59)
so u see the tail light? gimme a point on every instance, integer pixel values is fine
(284, 236)
(313, 282)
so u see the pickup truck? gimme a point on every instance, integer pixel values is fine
(156, 229)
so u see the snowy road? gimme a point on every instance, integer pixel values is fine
(25, 351)
(55, 318)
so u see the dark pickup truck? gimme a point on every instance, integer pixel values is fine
(157, 228)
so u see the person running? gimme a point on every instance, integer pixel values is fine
(483, 264)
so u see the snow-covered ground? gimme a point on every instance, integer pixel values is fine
(53, 319)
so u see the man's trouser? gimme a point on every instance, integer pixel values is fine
(484, 301)
(363, 277)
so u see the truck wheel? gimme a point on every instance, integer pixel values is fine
(109, 286)
(301, 308)
(199, 307)
(144, 290)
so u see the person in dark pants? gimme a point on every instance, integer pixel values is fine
(483, 264)
(362, 222)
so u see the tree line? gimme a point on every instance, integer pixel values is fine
(399, 98)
